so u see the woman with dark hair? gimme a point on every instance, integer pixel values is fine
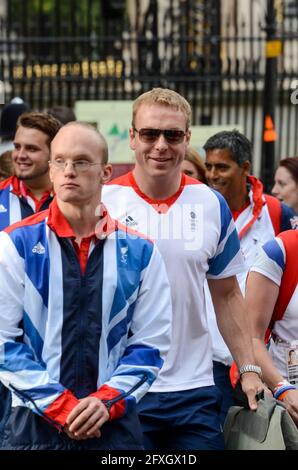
(286, 182)
(193, 165)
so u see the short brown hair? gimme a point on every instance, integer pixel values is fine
(42, 122)
(165, 97)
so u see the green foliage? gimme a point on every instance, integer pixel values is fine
(48, 7)
(81, 13)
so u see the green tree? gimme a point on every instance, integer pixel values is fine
(44, 16)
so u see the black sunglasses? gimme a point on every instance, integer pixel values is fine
(172, 136)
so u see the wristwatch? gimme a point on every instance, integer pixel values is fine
(250, 368)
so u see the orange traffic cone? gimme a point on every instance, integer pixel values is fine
(270, 134)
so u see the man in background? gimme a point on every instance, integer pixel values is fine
(257, 216)
(29, 190)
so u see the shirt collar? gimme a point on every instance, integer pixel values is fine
(160, 205)
(60, 225)
(20, 189)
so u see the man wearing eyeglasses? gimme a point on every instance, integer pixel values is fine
(195, 233)
(85, 312)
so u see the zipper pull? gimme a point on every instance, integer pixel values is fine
(108, 406)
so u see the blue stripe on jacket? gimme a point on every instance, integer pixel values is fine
(128, 268)
(4, 203)
(28, 242)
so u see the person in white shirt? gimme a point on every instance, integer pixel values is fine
(257, 216)
(196, 236)
(272, 298)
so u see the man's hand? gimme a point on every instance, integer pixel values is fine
(290, 401)
(86, 419)
(251, 385)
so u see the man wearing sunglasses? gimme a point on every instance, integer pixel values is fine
(85, 309)
(194, 230)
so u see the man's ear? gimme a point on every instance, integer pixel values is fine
(132, 139)
(50, 173)
(188, 136)
(246, 166)
(107, 173)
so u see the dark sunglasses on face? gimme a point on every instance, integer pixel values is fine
(172, 136)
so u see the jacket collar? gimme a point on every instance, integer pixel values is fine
(60, 225)
(20, 189)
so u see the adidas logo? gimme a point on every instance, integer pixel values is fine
(2, 208)
(129, 221)
(39, 249)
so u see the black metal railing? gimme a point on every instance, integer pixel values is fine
(211, 51)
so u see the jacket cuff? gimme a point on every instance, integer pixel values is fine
(108, 395)
(61, 407)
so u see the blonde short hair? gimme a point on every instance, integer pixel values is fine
(165, 97)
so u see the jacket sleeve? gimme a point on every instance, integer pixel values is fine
(288, 218)
(148, 341)
(20, 370)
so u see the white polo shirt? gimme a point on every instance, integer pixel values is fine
(196, 236)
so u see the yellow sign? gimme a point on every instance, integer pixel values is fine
(273, 48)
